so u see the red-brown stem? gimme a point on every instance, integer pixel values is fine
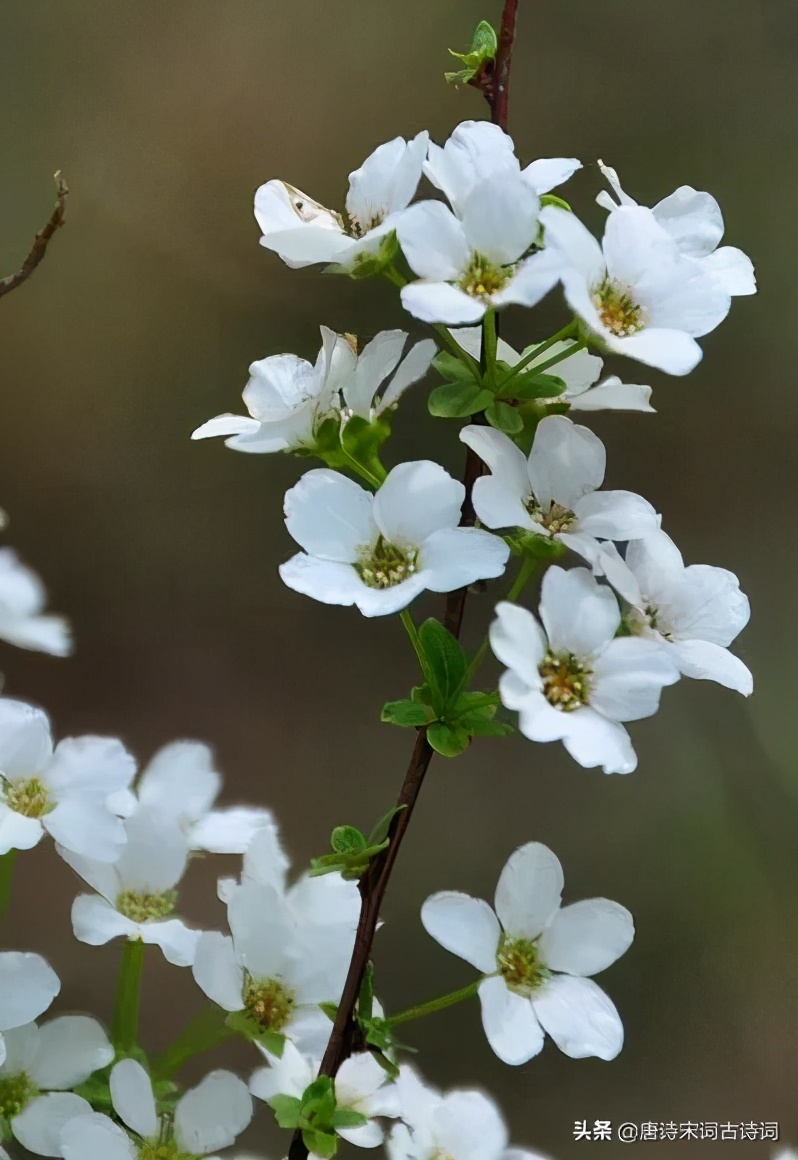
(41, 241)
(345, 1036)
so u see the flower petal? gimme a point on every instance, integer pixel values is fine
(704, 661)
(468, 1125)
(177, 941)
(613, 395)
(629, 677)
(518, 641)
(592, 739)
(228, 831)
(71, 1047)
(511, 1026)
(216, 970)
(616, 515)
(455, 557)
(579, 1017)
(547, 173)
(579, 615)
(587, 937)
(500, 219)
(329, 515)
(441, 302)
(18, 832)
(96, 922)
(96, 1137)
(375, 362)
(433, 241)
(416, 500)
(87, 828)
(131, 1092)
(507, 462)
(25, 741)
(529, 890)
(573, 241)
(38, 1128)
(226, 425)
(28, 986)
(412, 368)
(566, 463)
(213, 1113)
(669, 350)
(465, 926)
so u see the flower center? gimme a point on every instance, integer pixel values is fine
(518, 960)
(386, 565)
(16, 1092)
(618, 310)
(28, 798)
(162, 1150)
(481, 278)
(358, 227)
(269, 1002)
(146, 907)
(566, 683)
(554, 519)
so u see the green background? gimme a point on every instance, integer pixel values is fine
(164, 117)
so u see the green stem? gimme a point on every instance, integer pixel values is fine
(490, 343)
(6, 879)
(412, 632)
(569, 331)
(205, 1031)
(435, 1004)
(125, 1028)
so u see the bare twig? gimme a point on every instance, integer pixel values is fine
(41, 241)
(345, 1037)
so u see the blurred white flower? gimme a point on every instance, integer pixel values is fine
(68, 793)
(180, 786)
(636, 292)
(22, 620)
(289, 951)
(696, 611)
(553, 493)
(475, 262)
(576, 682)
(376, 361)
(694, 220)
(136, 895)
(57, 1056)
(208, 1117)
(28, 985)
(304, 232)
(380, 551)
(580, 372)
(361, 1085)
(287, 398)
(536, 958)
(460, 1125)
(477, 150)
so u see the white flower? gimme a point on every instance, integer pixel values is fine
(379, 359)
(536, 958)
(55, 1057)
(180, 786)
(580, 373)
(207, 1118)
(553, 493)
(304, 232)
(361, 1085)
(636, 293)
(136, 895)
(475, 262)
(289, 950)
(479, 149)
(28, 986)
(67, 793)
(695, 222)
(380, 551)
(697, 611)
(287, 399)
(461, 1125)
(22, 599)
(576, 682)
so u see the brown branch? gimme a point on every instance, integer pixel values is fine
(345, 1037)
(41, 241)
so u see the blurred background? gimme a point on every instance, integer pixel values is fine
(141, 324)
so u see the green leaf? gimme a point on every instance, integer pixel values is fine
(348, 1118)
(478, 726)
(320, 1143)
(504, 418)
(458, 400)
(368, 265)
(380, 832)
(484, 46)
(406, 713)
(361, 438)
(286, 1110)
(451, 368)
(348, 840)
(552, 199)
(422, 695)
(97, 1090)
(530, 385)
(445, 658)
(330, 1010)
(448, 740)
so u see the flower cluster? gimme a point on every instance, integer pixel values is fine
(291, 974)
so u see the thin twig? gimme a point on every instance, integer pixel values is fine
(345, 1037)
(41, 241)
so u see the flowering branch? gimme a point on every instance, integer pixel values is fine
(41, 241)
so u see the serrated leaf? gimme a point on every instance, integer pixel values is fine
(408, 714)
(286, 1110)
(348, 840)
(445, 658)
(380, 832)
(448, 740)
(504, 418)
(458, 400)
